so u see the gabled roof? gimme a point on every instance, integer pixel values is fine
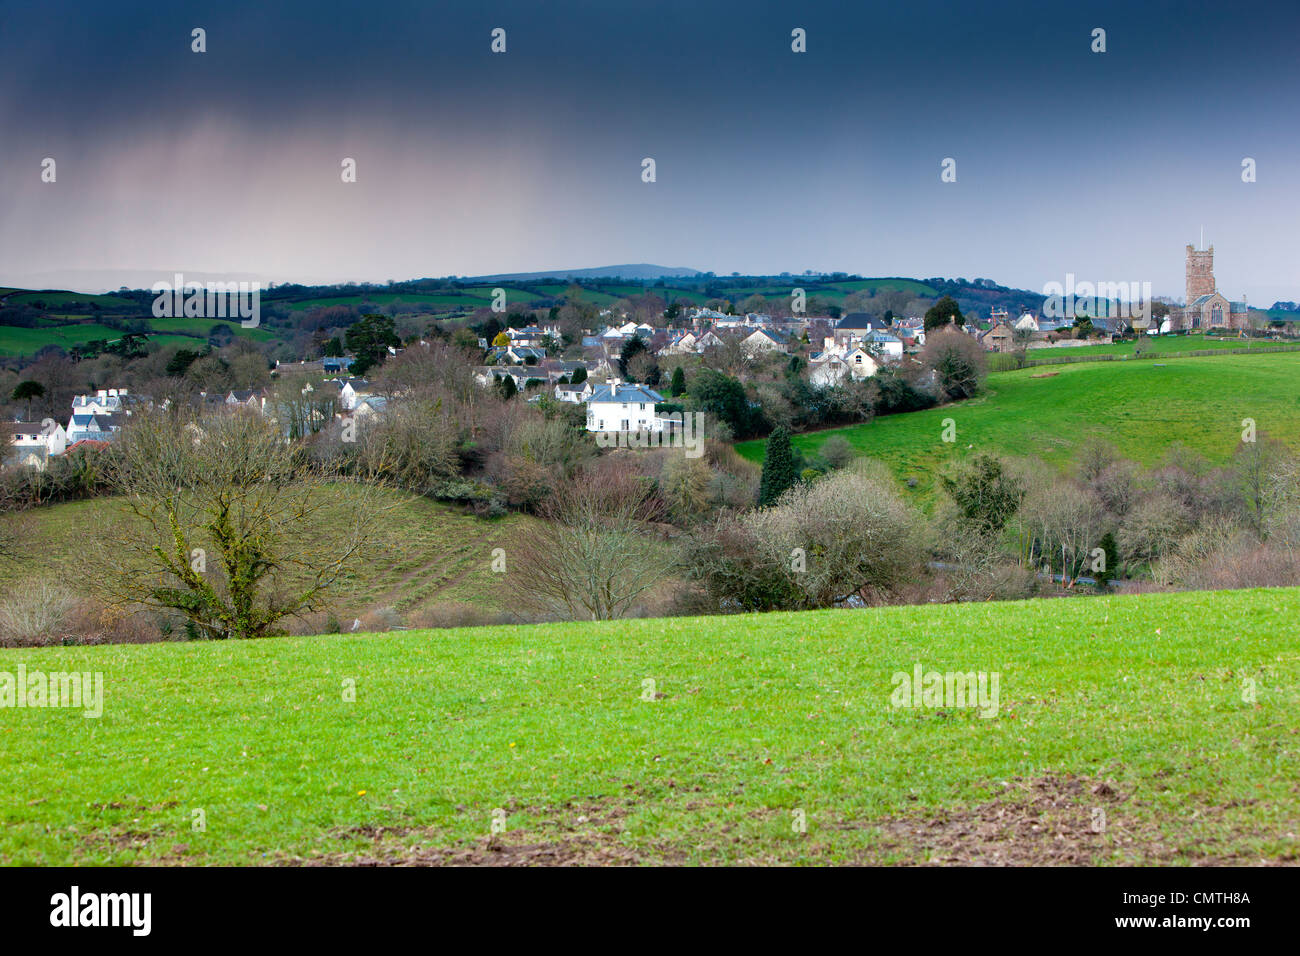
(860, 320)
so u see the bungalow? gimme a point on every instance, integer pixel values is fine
(619, 407)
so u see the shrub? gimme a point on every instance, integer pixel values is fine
(958, 361)
(821, 544)
(837, 451)
(36, 613)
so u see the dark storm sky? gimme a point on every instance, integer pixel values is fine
(1103, 165)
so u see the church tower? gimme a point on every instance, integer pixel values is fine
(1200, 272)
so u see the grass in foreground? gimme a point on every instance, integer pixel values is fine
(1130, 705)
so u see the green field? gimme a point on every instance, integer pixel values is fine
(23, 342)
(1143, 407)
(1155, 345)
(471, 298)
(903, 285)
(54, 300)
(202, 328)
(188, 333)
(1171, 715)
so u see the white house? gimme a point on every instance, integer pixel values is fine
(681, 345)
(32, 444)
(1027, 323)
(618, 407)
(886, 343)
(529, 336)
(577, 394)
(92, 427)
(106, 401)
(832, 367)
(351, 391)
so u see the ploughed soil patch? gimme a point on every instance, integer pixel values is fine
(1054, 820)
(1057, 820)
(576, 834)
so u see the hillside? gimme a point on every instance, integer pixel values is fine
(36, 318)
(1121, 736)
(1050, 412)
(429, 558)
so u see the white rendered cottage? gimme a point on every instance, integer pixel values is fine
(618, 407)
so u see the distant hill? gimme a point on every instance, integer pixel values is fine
(640, 270)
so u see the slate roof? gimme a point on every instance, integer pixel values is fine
(861, 320)
(625, 393)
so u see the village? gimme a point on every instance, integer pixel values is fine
(534, 361)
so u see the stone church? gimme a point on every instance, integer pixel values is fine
(1206, 307)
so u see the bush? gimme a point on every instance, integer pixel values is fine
(846, 536)
(836, 451)
(35, 614)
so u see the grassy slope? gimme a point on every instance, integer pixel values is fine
(430, 554)
(1154, 345)
(760, 716)
(19, 342)
(1141, 406)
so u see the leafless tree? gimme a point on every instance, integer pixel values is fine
(597, 553)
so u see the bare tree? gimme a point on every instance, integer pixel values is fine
(227, 523)
(1063, 523)
(598, 552)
